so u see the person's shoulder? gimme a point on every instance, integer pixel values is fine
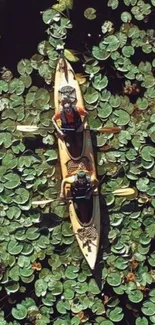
(57, 115)
(81, 110)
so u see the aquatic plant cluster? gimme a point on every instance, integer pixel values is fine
(44, 278)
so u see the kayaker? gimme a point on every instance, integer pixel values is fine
(82, 184)
(70, 118)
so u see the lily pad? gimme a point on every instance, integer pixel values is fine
(148, 308)
(20, 312)
(71, 272)
(14, 248)
(116, 315)
(128, 51)
(114, 279)
(104, 110)
(113, 4)
(135, 296)
(100, 53)
(90, 13)
(91, 95)
(100, 83)
(24, 66)
(121, 117)
(13, 180)
(112, 43)
(142, 321)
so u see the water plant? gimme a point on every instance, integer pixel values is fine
(43, 276)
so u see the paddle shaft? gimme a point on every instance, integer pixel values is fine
(101, 130)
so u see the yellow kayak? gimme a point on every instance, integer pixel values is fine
(84, 213)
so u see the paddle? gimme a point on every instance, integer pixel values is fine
(33, 128)
(128, 191)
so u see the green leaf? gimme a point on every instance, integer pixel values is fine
(148, 308)
(20, 312)
(142, 103)
(112, 43)
(51, 155)
(71, 272)
(100, 53)
(24, 66)
(14, 247)
(151, 260)
(100, 83)
(147, 153)
(114, 279)
(135, 296)
(70, 55)
(91, 95)
(21, 196)
(6, 138)
(90, 13)
(13, 212)
(113, 4)
(13, 180)
(121, 117)
(67, 229)
(141, 321)
(93, 287)
(149, 81)
(60, 307)
(42, 97)
(68, 294)
(104, 110)
(116, 315)
(32, 233)
(121, 263)
(26, 272)
(50, 16)
(14, 273)
(128, 50)
(126, 17)
(16, 86)
(81, 288)
(40, 287)
(12, 287)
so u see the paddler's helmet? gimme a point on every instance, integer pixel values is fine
(66, 100)
(81, 174)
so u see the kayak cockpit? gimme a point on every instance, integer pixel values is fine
(84, 209)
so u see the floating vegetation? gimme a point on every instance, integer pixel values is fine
(43, 276)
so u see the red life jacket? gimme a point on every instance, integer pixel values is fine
(77, 119)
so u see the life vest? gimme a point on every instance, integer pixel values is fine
(77, 119)
(80, 190)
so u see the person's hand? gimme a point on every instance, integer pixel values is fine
(61, 135)
(80, 128)
(62, 196)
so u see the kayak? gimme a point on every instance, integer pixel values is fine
(84, 213)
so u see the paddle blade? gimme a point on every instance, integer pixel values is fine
(42, 202)
(128, 191)
(109, 129)
(27, 128)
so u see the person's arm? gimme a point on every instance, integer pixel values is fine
(85, 114)
(95, 182)
(56, 126)
(68, 180)
(94, 185)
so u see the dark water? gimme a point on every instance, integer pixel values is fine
(22, 28)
